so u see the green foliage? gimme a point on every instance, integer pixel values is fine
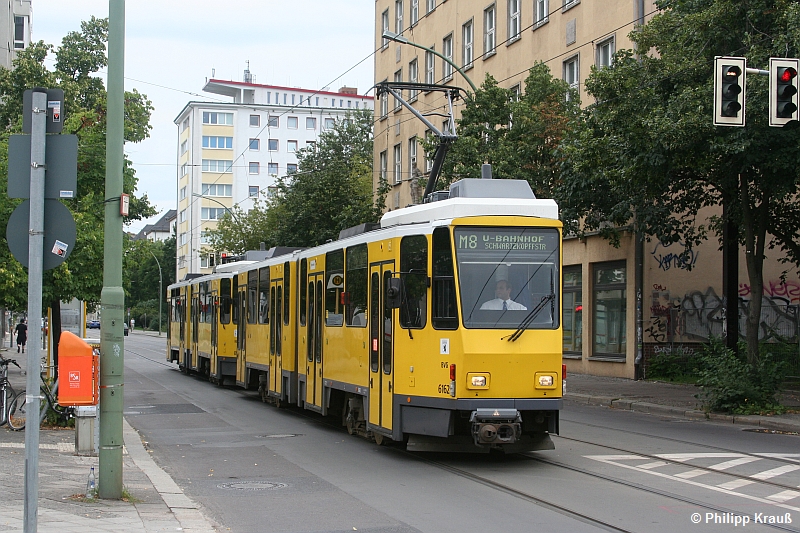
(516, 134)
(331, 191)
(78, 61)
(674, 365)
(731, 384)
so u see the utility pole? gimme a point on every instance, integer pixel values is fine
(112, 298)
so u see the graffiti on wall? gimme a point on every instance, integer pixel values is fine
(699, 315)
(667, 260)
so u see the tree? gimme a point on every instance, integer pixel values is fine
(331, 191)
(141, 276)
(516, 134)
(78, 60)
(648, 154)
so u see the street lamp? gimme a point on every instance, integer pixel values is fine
(392, 36)
(160, 290)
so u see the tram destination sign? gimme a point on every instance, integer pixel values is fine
(506, 239)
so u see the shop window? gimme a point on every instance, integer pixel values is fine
(573, 311)
(608, 310)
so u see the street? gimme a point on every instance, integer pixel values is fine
(254, 467)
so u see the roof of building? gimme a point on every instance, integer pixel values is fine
(344, 91)
(163, 224)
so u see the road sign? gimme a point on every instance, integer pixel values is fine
(55, 110)
(59, 233)
(61, 164)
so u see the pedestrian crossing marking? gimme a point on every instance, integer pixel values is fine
(733, 459)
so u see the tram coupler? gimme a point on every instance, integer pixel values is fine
(496, 426)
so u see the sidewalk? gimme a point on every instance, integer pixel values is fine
(670, 399)
(158, 505)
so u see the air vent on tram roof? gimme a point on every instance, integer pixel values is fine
(491, 188)
(358, 230)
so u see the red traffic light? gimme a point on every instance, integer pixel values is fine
(786, 74)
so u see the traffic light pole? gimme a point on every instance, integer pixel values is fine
(112, 298)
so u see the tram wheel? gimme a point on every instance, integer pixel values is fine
(380, 440)
(351, 426)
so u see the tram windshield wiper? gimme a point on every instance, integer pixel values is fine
(530, 317)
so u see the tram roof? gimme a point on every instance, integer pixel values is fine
(470, 207)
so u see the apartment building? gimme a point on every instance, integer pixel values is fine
(681, 298)
(231, 153)
(15, 29)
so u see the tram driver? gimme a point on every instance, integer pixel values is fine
(503, 301)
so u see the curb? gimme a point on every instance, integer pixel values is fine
(764, 422)
(185, 510)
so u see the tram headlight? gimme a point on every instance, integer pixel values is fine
(478, 381)
(545, 381)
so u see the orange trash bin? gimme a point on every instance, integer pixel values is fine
(78, 371)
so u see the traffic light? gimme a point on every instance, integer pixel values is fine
(729, 91)
(782, 91)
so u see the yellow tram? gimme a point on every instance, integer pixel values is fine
(439, 328)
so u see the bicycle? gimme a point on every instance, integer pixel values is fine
(8, 405)
(48, 403)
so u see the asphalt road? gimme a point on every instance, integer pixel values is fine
(254, 467)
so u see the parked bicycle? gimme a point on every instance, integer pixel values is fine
(8, 407)
(47, 405)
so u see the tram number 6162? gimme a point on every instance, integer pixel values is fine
(444, 388)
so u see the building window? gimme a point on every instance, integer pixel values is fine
(273, 122)
(20, 32)
(311, 145)
(217, 189)
(542, 11)
(225, 119)
(330, 123)
(466, 51)
(573, 310)
(412, 155)
(291, 123)
(398, 163)
(414, 11)
(383, 167)
(184, 169)
(255, 144)
(398, 78)
(272, 145)
(182, 216)
(430, 66)
(413, 77)
(185, 146)
(291, 146)
(253, 167)
(255, 120)
(430, 5)
(447, 51)
(311, 123)
(183, 192)
(398, 17)
(608, 310)
(204, 237)
(212, 213)
(489, 30)
(571, 72)
(384, 107)
(384, 28)
(185, 125)
(567, 4)
(253, 191)
(217, 142)
(291, 168)
(183, 239)
(272, 168)
(217, 165)
(513, 20)
(605, 53)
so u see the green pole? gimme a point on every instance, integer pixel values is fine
(112, 298)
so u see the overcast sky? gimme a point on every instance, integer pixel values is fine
(172, 45)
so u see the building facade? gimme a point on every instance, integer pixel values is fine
(680, 298)
(231, 153)
(15, 28)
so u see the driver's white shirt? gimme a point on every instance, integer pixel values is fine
(497, 305)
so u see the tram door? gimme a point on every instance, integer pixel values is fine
(381, 373)
(241, 328)
(275, 335)
(214, 328)
(195, 326)
(316, 292)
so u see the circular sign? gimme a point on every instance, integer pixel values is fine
(59, 233)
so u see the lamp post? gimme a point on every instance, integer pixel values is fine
(392, 36)
(160, 290)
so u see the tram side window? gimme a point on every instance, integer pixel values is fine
(252, 296)
(287, 277)
(334, 271)
(208, 308)
(225, 301)
(263, 295)
(414, 273)
(303, 290)
(356, 284)
(444, 312)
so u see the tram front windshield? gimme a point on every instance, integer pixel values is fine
(509, 277)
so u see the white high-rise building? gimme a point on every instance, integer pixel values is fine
(15, 29)
(232, 153)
